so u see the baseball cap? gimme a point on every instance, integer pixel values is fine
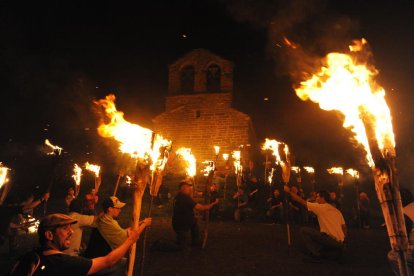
(112, 201)
(55, 220)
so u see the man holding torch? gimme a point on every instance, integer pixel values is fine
(332, 232)
(183, 219)
(54, 237)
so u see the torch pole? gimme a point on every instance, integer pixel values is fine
(286, 176)
(146, 231)
(140, 181)
(118, 179)
(265, 168)
(388, 192)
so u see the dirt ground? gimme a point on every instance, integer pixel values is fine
(253, 248)
(246, 248)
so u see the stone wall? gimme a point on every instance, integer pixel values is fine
(203, 121)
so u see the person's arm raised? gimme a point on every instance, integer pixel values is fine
(115, 255)
(295, 197)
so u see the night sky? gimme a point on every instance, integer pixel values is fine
(57, 57)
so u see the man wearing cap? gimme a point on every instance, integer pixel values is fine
(183, 219)
(107, 224)
(55, 232)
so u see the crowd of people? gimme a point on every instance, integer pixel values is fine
(323, 228)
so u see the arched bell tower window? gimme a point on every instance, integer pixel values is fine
(213, 78)
(187, 79)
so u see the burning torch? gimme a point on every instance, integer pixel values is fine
(55, 152)
(135, 141)
(191, 164)
(96, 170)
(311, 172)
(77, 176)
(4, 186)
(273, 145)
(346, 84)
(226, 158)
(339, 172)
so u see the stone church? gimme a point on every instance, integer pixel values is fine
(198, 110)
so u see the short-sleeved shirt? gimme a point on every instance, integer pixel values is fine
(111, 231)
(330, 219)
(63, 265)
(183, 214)
(76, 239)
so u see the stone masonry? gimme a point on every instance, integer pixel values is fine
(198, 111)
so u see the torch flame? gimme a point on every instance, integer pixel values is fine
(336, 170)
(273, 145)
(226, 156)
(295, 169)
(238, 168)
(348, 86)
(210, 167)
(353, 173)
(217, 149)
(3, 175)
(128, 180)
(158, 158)
(309, 169)
(134, 139)
(77, 174)
(270, 176)
(190, 160)
(34, 224)
(53, 147)
(93, 168)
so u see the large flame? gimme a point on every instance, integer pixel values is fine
(93, 168)
(134, 139)
(336, 170)
(77, 174)
(238, 168)
(353, 173)
(55, 149)
(309, 169)
(346, 85)
(3, 175)
(190, 160)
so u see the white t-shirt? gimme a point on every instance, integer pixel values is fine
(330, 219)
(76, 239)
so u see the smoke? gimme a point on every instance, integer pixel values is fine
(300, 32)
